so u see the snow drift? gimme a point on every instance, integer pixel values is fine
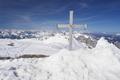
(99, 63)
(49, 46)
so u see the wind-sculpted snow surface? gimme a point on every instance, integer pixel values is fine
(99, 63)
(49, 46)
(15, 48)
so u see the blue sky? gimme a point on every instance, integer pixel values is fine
(100, 15)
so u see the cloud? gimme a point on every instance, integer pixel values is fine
(87, 18)
(22, 19)
(83, 5)
(43, 10)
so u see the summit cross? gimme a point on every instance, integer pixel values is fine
(71, 26)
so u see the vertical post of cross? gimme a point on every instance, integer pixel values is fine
(70, 29)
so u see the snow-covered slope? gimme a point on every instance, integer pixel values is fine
(49, 46)
(99, 63)
(27, 46)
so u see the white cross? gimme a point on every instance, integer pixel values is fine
(70, 26)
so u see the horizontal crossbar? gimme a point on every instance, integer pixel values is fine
(81, 26)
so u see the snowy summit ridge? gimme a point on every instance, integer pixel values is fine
(99, 63)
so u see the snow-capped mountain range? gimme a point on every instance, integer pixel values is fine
(89, 38)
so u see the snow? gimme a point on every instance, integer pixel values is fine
(48, 46)
(99, 63)
(57, 39)
(32, 46)
(103, 43)
(80, 34)
(26, 46)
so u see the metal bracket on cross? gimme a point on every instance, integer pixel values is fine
(71, 26)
